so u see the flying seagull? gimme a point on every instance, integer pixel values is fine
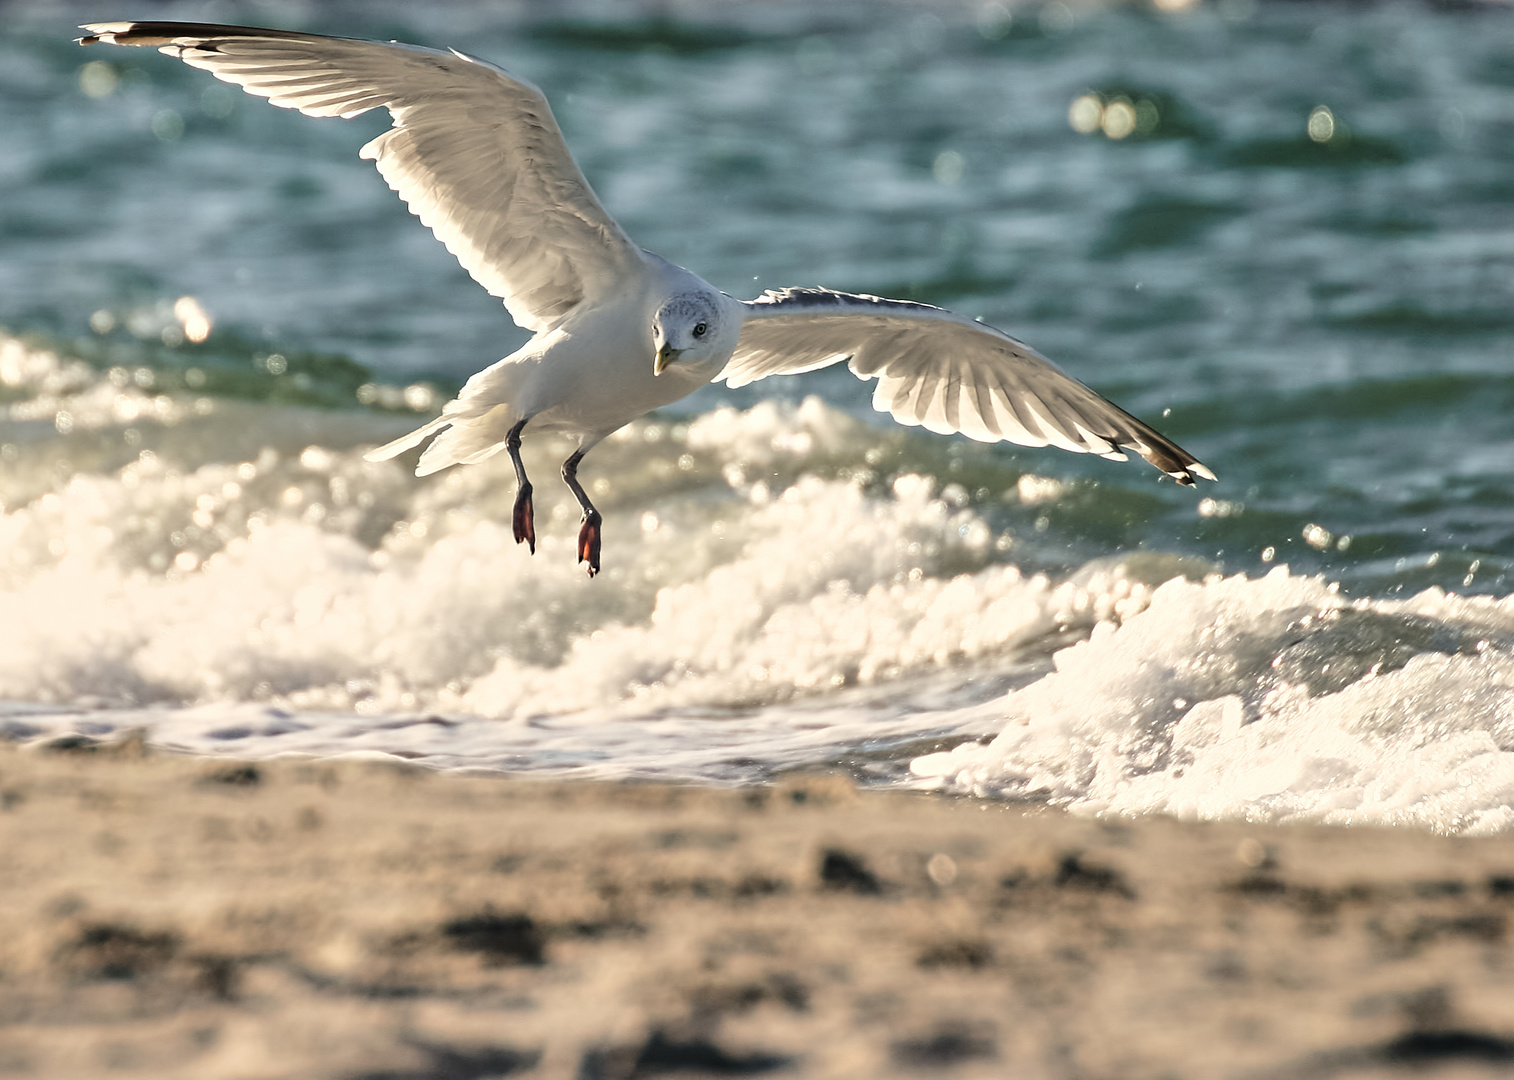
(619, 331)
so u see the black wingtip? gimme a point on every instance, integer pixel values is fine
(150, 32)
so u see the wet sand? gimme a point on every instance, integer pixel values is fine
(174, 917)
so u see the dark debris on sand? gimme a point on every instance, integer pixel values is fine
(171, 919)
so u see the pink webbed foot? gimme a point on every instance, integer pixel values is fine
(588, 542)
(525, 518)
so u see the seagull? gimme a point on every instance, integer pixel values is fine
(477, 155)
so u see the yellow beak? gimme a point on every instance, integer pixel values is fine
(665, 356)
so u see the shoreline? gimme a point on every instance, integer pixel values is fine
(181, 917)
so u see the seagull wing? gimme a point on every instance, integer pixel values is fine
(943, 372)
(474, 151)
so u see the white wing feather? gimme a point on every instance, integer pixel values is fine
(944, 372)
(474, 151)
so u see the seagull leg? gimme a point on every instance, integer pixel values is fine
(588, 534)
(525, 515)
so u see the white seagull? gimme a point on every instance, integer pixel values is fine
(619, 331)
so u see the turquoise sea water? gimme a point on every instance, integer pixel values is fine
(1281, 233)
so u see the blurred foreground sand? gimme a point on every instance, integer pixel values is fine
(174, 917)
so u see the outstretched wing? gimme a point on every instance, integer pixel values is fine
(944, 372)
(474, 151)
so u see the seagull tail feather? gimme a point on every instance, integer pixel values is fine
(475, 433)
(405, 442)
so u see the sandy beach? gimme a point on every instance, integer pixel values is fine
(179, 917)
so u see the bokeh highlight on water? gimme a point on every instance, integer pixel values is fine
(1279, 232)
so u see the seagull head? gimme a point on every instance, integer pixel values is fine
(690, 328)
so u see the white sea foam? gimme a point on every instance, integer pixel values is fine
(310, 579)
(115, 594)
(1270, 700)
(770, 599)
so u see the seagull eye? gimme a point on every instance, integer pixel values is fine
(700, 329)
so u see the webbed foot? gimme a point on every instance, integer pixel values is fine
(588, 541)
(525, 518)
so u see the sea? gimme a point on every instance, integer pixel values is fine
(1282, 233)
